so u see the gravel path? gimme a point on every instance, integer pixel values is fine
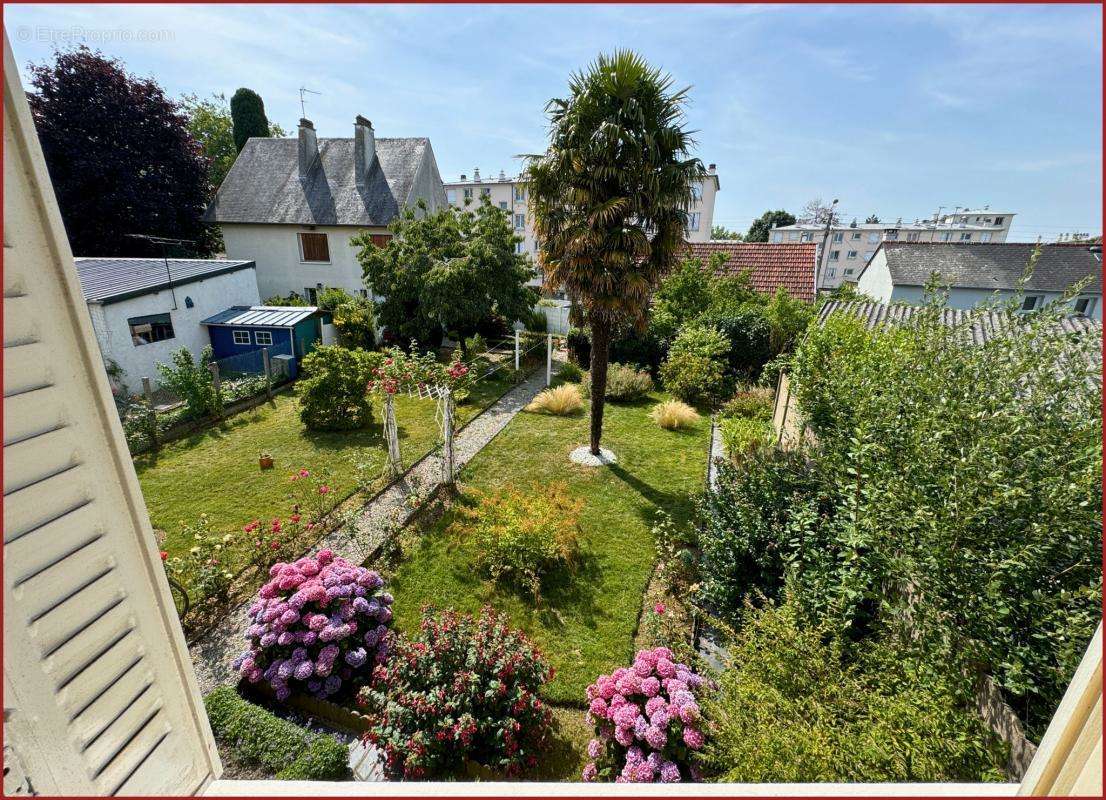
(378, 520)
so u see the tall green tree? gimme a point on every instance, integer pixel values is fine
(247, 112)
(120, 155)
(723, 233)
(610, 197)
(453, 271)
(210, 123)
(872, 220)
(762, 226)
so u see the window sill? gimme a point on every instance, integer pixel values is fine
(221, 788)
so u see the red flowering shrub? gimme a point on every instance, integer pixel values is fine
(464, 689)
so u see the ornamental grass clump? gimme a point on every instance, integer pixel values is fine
(319, 624)
(463, 691)
(560, 401)
(647, 721)
(674, 415)
(624, 383)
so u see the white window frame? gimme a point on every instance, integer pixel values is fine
(520, 194)
(777, 238)
(259, 341)
(913, 236)
(520, 222)
(485, 191)
(965, 237)
(985, 237)
(838, 237)
(851, 255)
(806, 236)
(467, 193)
(1032, 302)
(237, 336)
(694, 219)
(1088, 305)
(451, 196)
(299, 243)
(696, 191)
(835, 255)
(855, 236)
(831, 273)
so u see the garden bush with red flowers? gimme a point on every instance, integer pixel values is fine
(463, 690)
(647, 721)
(320, 623)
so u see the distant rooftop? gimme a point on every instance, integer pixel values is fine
(109, 280)
(770, 266)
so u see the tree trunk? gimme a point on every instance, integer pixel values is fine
(600, 350)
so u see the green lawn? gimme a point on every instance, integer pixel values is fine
(586, 623)
(215, 471)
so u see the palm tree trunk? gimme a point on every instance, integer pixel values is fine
(600, 351)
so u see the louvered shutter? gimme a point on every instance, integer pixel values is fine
(100, 696)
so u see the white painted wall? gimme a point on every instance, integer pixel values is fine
(875, 280)
(209, 296)
(280, 268)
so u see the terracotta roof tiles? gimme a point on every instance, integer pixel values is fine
(771, 265)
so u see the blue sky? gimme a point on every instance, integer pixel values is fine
(893, 109)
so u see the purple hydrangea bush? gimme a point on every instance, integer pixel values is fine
(647, 721)
(318, 624)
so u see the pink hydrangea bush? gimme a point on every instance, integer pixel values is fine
(647, 721)
(318, 625)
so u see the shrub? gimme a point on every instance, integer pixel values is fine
(647, 721)
(476, 345)
(355, 323)
(969, 472)
(624, 383)
(520, 537)
(202, 570)
(746, 523)
(319, 623)
(257, 736)
(333, 393)
(536, 321)
(799, 704)
(747, 333)
(741, 436)
(579, 347)
(560, 401)
(695, 368)
(673, 415)
(754, 402)
(463, 689)
(191, 381)
(570, 372)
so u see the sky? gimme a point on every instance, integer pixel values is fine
(894, 110)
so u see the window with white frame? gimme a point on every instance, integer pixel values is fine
(263, 338)
(835, 255)
(503, 204)
(855, 236)
(314, 248)
(946, 236)
(998, 220)
(468, 194)
(777, 238)
(831, 273)
(806, 236)
(693, 220)
(451, 196)
(965, 237)
(838, 237)
(240, 337)
(1084, 305)
(891, 236)
(519, 248)
(485, 191)
(913, 236)
(520, 194)
(696, 191)
(1031, 302)
(851, 256)
(985, 236)
(850, 271)
(520, 221)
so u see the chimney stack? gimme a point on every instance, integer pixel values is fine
(476, 174)
(464, 177)
(364, 149)
(712, 168)
(308, 147)
(502, 175)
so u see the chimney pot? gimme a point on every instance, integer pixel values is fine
(476, 173)
(464, 177)
(364, 149)
(712, 168)
(308, 148)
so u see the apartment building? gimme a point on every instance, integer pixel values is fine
(510, 194)
(849, 247)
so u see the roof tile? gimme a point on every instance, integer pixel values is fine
(771, 265)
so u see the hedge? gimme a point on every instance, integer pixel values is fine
(258, 736)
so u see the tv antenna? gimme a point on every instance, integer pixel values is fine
(163, 243)
(303, 102)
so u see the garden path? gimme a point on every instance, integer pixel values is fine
(213, 654)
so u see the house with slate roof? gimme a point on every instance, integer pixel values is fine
(977, 273)
(292, 205)
(770, 266)
(143, 309)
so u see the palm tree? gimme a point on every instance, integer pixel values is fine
(610, 197)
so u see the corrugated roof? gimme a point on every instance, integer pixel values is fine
(264, 185)
(994, 266)
(109, 280)
(771, 265)
(262, 316)
(984, 325)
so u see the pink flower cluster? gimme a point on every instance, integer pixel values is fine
(647, 721)
(320, 621)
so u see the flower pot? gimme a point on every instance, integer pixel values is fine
(266, 462)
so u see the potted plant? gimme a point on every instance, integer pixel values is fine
(265, 460)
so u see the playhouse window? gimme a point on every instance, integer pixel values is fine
(263, 337)
(241, 337)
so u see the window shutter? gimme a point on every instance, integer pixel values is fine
(100, 696)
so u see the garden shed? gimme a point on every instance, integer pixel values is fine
(240, 333)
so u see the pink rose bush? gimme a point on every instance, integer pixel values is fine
(647, 721)
(318, 624)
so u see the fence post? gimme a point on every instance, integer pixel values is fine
(548, 358)
(391, 434)
(268, 373)
(151, 413)
(214, 367)
(447, 436)
(516, 349)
